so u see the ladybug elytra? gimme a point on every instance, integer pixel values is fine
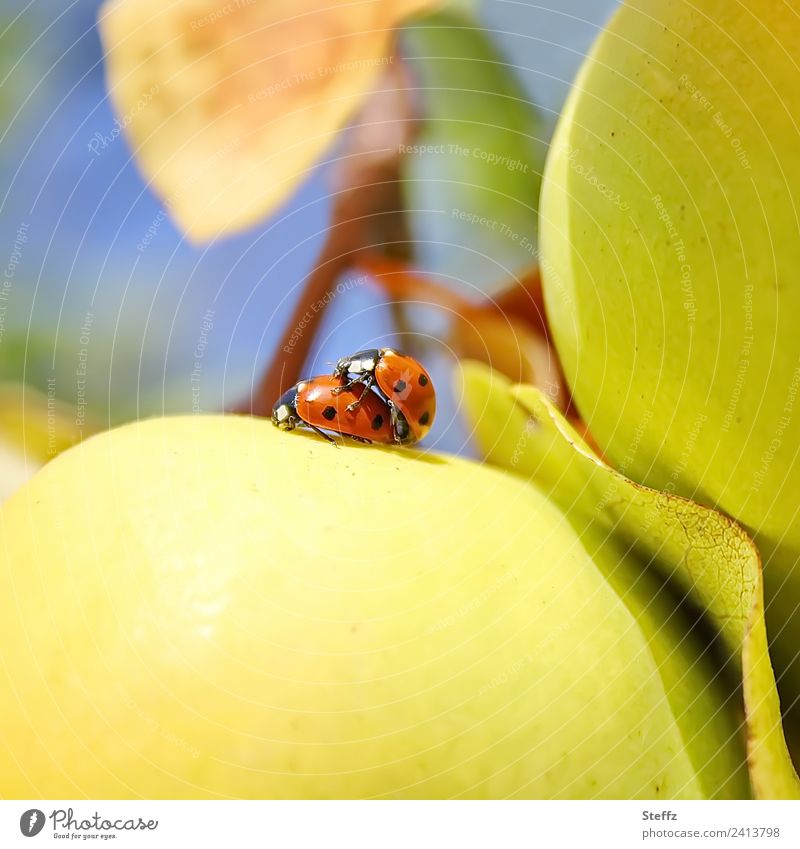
(324, 404)
(401, 381)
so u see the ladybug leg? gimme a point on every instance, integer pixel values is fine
(368, 381)
(360, 439)
(324, 435)
(349, 385)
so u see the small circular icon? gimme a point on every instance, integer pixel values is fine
(31, 822)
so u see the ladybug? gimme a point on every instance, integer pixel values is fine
(401, 381)
(323, 403)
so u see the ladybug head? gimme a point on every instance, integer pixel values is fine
(284, 412)
(402, 432)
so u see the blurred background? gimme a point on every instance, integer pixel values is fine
(104, 302)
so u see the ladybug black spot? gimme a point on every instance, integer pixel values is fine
(329, 413)
(377, 422)
(425, 418)
(400, 386)
(423, 381)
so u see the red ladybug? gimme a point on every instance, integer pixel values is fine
(323, 403)
(402, 381)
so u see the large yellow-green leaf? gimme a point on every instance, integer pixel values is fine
(703, 552)
(227, 106)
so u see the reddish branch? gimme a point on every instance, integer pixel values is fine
(368, 214)
(364, 217)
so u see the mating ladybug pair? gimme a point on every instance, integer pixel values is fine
(379, 395)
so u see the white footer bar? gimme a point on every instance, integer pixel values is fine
(401, 825)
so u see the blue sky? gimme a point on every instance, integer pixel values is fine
(85, 211)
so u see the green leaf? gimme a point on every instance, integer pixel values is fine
(37, 425)
(474, 171)
(34, 428)
(698, 549)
